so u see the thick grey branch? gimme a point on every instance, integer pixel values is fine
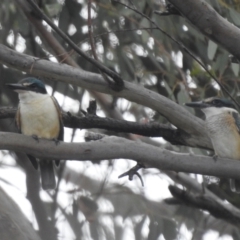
(175, 113)
(210, 23)
(115, 148)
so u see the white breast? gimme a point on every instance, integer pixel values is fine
(38, 115)
(223, 133)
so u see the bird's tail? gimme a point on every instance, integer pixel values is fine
(47, 174)
(235, 185)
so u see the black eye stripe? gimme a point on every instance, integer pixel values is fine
(220, 103)
(217, 102)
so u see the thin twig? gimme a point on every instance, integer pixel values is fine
(152, 129)
(119, 84)
(223, 88)
(92, 41)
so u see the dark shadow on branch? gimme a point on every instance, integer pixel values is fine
(152, 129)
(203, 202)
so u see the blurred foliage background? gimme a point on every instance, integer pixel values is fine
(96, 206)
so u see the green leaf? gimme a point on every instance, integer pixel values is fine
(212, 48)
(183, 95)
(53, 9)
(235, 68)
(235, 16)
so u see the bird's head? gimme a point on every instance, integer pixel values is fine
(29, 84)
(213, 105)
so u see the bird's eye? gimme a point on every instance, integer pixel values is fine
(216, 102)
(33, 85)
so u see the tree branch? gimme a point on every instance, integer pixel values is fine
(210, 23)
(45, 225)
(13, 223)
(120, 148)
(175, 113)
(224, 89)
(152, 129)
(206, 203)
(123, 194)
(119, 84)
(61, 54)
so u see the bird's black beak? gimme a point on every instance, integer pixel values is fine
(16, 86)
(199, 104)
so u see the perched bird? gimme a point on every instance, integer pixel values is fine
(223, 124)
(38, 116)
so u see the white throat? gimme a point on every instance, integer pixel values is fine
(30, 96)
(212, 111)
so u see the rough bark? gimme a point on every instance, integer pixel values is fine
(120, 148)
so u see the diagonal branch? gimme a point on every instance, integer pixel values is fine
(118, 80)
(13, 222)
(207, 203)
(181, 45)
(62, 55)
(210, 23)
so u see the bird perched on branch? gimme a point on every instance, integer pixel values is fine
(39, 116)
(223, 124)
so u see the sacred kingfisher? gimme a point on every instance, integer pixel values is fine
(39, 116)
(223, 125)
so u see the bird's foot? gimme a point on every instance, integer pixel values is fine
(36, 138)
(133, 171)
